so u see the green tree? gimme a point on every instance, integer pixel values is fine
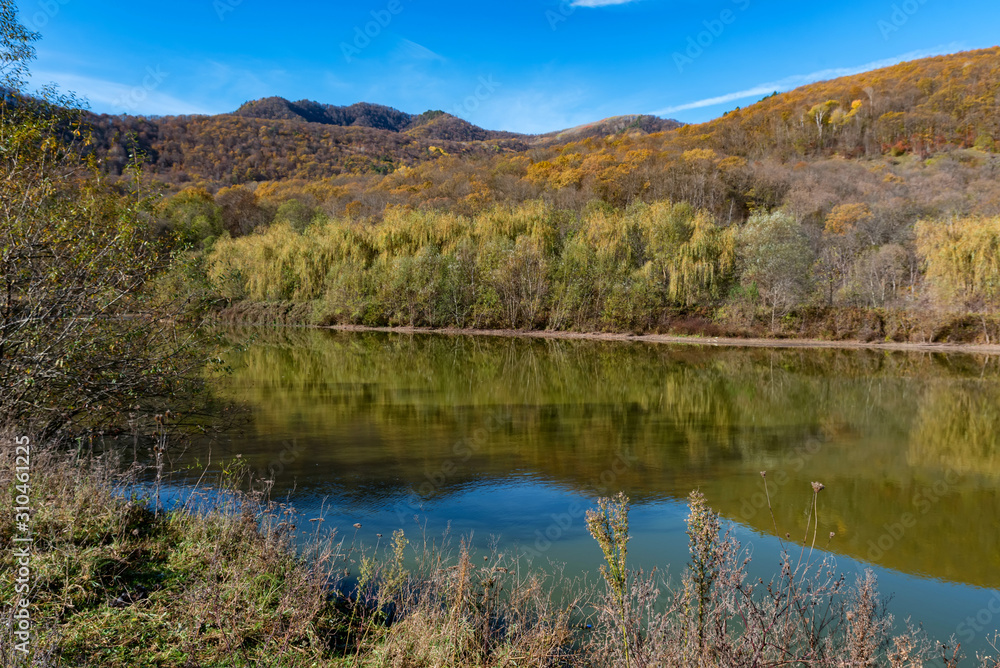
(519, 277)
(777, 259)
(16, 48)
(296, 213)
(191, 217)
(699, 258)
(576, 291)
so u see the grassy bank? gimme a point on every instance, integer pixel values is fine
(115, 583)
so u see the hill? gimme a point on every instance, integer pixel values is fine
(358, 115)
(866, 139)
(428, 125)
(229, 148)
(866, 207)
(638, 124)
(274, 139)
(918, 107)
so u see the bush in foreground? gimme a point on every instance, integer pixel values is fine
(115, 583)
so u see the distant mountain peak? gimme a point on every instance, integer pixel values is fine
(435, 124)
(644, 123)
(362, 114)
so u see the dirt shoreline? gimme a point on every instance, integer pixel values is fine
(973, 348)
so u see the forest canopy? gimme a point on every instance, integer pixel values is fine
(876, 192)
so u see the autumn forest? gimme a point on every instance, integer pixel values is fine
(307, 384)
(865, 207)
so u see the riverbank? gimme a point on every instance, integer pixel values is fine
(116, 582)
(846, 328)
(969, 348)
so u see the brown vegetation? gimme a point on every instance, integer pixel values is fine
(218, 581)
(860, 208)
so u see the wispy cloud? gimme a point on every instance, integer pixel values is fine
(600, 3)
(118, 98)
(535, 110)
(796, 80)
(410, 50)
(224, 86)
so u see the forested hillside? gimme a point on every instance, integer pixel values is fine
(641, 124)
(919, 107)
(876, 192)
(428, 125)
(233, 149)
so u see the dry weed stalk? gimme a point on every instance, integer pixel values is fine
(240, 588)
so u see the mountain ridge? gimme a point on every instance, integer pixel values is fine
(918, 107)
(434, 124)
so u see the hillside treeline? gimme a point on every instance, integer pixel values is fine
(648, 267)
(228, 149)
(919, 109)
(868, 194)
(919, 142)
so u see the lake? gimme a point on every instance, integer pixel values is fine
(510, 439)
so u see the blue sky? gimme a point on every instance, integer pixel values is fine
(522, 65)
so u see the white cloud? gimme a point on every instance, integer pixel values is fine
(600, 3)
(533, 110)
(796, 80)
(410, 50)
(114, 97)
(222, 87)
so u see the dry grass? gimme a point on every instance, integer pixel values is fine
(228, 584)
(116, 585)
(717, 616)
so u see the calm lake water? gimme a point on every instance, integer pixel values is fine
(513, 438)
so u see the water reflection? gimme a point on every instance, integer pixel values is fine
(906, 444)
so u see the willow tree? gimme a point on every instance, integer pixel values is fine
(691, 257)
(703, 265)
(963, 259)
(79, 342)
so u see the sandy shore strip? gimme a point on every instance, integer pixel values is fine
(980, 349)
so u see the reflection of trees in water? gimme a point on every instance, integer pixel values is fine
(958, 428)
(673, 406)
(383, 412)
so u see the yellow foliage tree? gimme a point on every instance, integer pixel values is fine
(963, 258)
